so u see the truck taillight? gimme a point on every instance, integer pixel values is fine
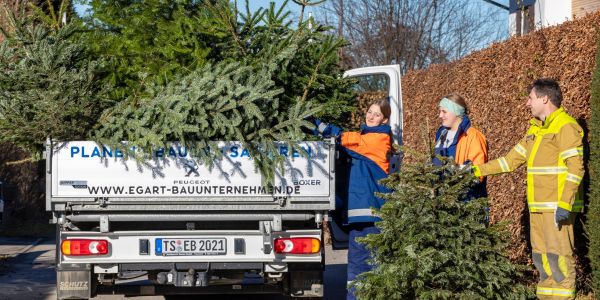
(297, 245)
(84, 247)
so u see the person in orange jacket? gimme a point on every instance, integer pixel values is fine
(368, 152)
(459, 139)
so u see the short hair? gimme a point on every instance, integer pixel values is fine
(384, 106)
(547, 87)
(458, 99)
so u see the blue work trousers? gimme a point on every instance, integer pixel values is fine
(358, 254)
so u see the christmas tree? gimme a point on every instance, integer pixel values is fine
(48, 85)
(434, 244)
(227, 102)
(150, 42)
(262, 91)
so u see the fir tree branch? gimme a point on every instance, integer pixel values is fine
(19, 162)
(222, 13)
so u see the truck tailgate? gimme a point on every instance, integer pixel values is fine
(83, 172)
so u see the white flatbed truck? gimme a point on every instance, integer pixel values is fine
(187, 228)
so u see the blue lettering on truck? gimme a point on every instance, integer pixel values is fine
(232, 152)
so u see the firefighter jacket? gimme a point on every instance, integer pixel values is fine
(553, 152)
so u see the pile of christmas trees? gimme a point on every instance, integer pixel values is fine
(154, 72)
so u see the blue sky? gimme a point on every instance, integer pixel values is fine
(254, 5)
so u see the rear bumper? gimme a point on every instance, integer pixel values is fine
(126, 248)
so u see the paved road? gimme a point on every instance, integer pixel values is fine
(27, 272)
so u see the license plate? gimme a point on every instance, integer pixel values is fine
(191, 246)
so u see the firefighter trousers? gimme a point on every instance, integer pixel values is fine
(552, 255)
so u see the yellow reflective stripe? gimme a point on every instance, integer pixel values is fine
(551, 206)
(546, 170)
(503, 164)
(542, 205)
(546, 265)
(565, 205)
(532, 154)
(562, 265)
(555, 292)
(571, 152)
(521, 150)
(574, 178)
(578, 205)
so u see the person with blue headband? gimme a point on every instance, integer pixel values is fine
(457, 138)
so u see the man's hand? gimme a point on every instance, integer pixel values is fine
(561, 215)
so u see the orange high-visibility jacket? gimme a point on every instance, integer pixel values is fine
(471, 146)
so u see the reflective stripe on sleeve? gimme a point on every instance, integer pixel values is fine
(322, 127)
(578, 205)
(360, 212)
(521, 150)
(503, 164)
(547, 170)
(571, 152)
(573, 178)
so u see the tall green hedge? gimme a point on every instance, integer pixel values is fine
(593, 215)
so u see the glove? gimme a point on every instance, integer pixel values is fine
(561, 215)
(325, 129)
(475, 171)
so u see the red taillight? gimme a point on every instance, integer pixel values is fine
(84, 247)
(297, 245)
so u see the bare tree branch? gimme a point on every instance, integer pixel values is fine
(413, 34)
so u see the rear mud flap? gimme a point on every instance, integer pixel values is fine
(74, 281)
(306, 284)
(339, 233)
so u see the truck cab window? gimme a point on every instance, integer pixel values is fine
(368, 88)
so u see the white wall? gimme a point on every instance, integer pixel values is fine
(552, 12)
(512, 24)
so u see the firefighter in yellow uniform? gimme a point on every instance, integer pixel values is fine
(553, 152)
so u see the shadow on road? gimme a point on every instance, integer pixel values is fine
(28, 276)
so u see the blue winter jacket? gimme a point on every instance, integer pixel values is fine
(364, 160)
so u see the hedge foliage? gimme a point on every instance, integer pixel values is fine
(593, 215)
(494, 83)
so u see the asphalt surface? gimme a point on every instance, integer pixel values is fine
(27, 272)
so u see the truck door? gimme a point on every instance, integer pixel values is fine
(373, 83)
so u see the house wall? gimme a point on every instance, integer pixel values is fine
(580, 8)
(552, 12)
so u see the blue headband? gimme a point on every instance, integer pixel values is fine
(452, 107)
